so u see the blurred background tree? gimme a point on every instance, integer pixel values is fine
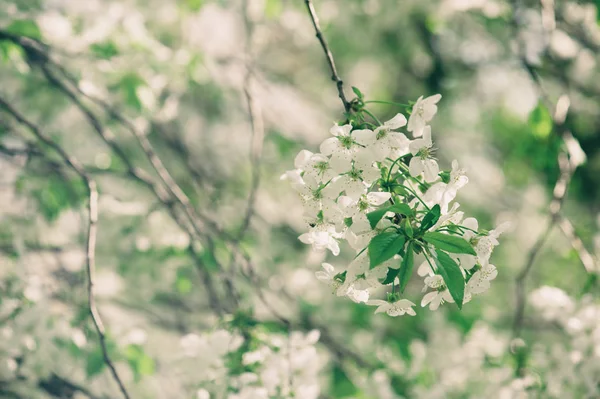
(185, 113)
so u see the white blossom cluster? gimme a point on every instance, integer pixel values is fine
(384, 194)
(272, 365)
(572, 362)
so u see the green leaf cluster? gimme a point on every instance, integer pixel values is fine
(405, 240)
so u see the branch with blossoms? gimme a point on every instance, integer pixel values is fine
(385, 195)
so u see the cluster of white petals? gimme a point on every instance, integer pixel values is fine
(572, 364)
(371, 180)
(264, 366)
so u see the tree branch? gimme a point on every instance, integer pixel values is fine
(328, 55)
(567, 168)
(78, 168)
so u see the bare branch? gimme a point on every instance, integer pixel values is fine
(559, 193)
(328, 55)
(91, 234)
(256, 123)
(588, 260)
(566, 167)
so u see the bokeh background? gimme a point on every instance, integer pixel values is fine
(226, 304)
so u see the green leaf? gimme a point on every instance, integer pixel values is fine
(105, 50)
(540, 121)
(145, 365)
(128, 85)
(57, 194)
(408, 263)
(183, 285)
(357, 92)
(384, 246)
(10, 51)
(341, 385)
(408, 228)
(375, 216)
(402, 209)
(391, 275)
(94, 363)
(209, 261)
(448, 243)
(25, 27)
(273, 8)
(431, 218)
(194, 5)
(141, 364)
(453, 277)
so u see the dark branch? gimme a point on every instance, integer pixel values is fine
(334, 74)
(78, 168)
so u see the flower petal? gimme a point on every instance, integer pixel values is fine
(364, 136)
(431, 170)
(338, 130)
(302, 159)
(415, 167)
(396, 122)
(378, 198)
(330, 146)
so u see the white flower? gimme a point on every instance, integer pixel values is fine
(442, 193)
(373, 276)
(341, 147)
(364, 165)
(480, 281)
(322, 237)
(398, 308)
(318, 168)
(486, 244)
(351, 184)
(452, 216)
(422, 160)
(424, 269)
(382, 141)
(357, 268)
(294, 177)
(366, 203)
(327, 275)
(360, 233)
(422, 113)
(202, 394)
(317, 197)
(302, 159)
(436, 298)
(356, 295)
(552, 302)
(468, 261)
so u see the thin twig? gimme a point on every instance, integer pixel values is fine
(213, 296)
(91, 234)
(334, 74)
(566, 167)
(588, 260)
(193, 224)
(258, 132)
(558, 196)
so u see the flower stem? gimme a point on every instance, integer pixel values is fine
(372, 116)
(425, 251)
(387, 102)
